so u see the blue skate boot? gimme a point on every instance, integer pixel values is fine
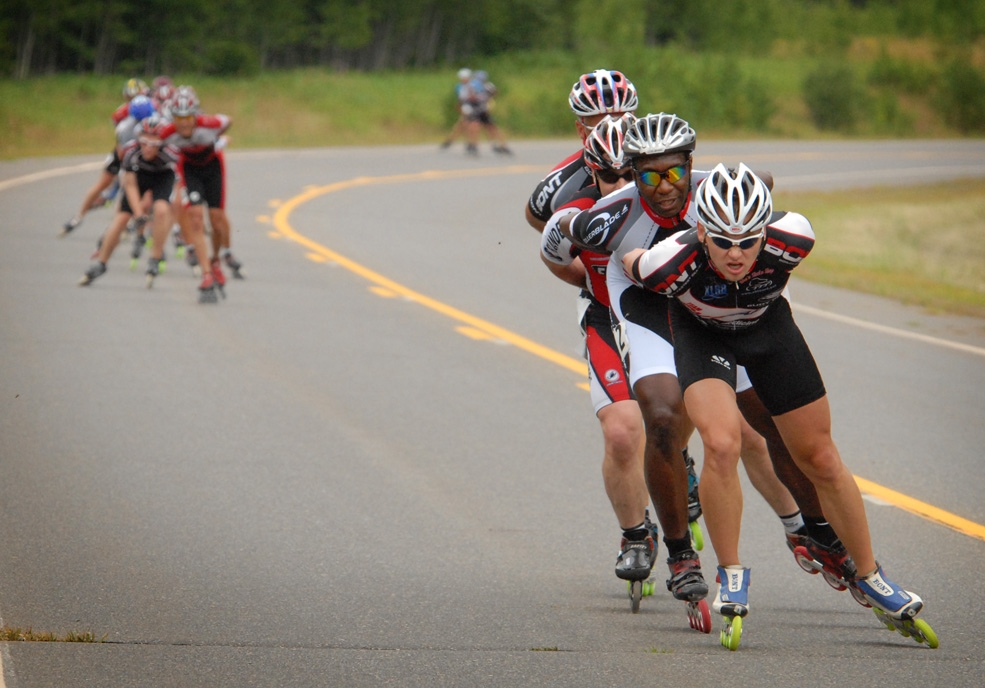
(693, 503)
(895, 607)
(732, 602)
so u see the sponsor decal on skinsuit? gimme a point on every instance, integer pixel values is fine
(721, 361)
(597, 233)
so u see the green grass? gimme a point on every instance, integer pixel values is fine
(8, 634)
(921, 245)
(722, 95)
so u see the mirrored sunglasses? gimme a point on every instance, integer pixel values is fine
(673, 175)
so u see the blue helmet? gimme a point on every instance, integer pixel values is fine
(141, 107)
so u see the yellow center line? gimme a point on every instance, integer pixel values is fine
(281, 222)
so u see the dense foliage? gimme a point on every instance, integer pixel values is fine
(248, 36)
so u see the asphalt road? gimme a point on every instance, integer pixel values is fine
(372, 464)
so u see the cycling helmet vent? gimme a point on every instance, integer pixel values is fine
(733, 201)
(602, 92)
(604, 146)
(659, 134)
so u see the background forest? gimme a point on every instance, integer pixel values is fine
(339, 72)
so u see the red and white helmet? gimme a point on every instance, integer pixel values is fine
(602, 92)
(152, 126)
(604, 146)
(185, 102)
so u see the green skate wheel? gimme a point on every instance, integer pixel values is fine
(635, 595)
(697, 537)
(648, 588)
(162, 265)
(179, 253)
(923, 632)
(133, 263)
(732, 633)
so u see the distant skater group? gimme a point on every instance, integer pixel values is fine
(168, 162)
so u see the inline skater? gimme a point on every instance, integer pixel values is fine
(105, 189)
(149, 167)
(615, 408)
(726, 275)
(461, 90)
(594, 96)
(660, 147)
(198, 137)
(480, 93)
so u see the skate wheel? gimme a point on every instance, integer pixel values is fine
(150, 281)
(133, 264)
(699, 616)
(804, 560)
(162, 266)
(179, 253)
(648, 588)
(922, 632)
(859, 597)
(834, 581)
(197, 270)
(635, 595)
(697, 537)
(732, 633)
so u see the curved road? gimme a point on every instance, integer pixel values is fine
(375, 463)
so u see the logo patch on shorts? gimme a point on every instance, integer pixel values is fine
(721, 361)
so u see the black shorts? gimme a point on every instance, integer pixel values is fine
(113, 162)
(205, 183)
(774, 352)
(160, 184)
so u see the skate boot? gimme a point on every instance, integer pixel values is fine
(218, 277)
(139, 241)
(502, 150)
(472, 149)
(633, 565)
(833, 563)
(94, 271)
(693, 503)
(70, 225)
(206, 290)
(179, 243)
(895, 607)
(732, 602)
(235, 267)
(795, 540)
(192, 261)
(153, 270)
(686, 583)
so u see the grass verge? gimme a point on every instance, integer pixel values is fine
(922, 245)
(8, 634)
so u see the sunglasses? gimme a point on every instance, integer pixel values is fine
(673, 175)
(150, 142)
(613, 177)
(726, 244)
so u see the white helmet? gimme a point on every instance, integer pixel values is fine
(604, 146)
(464, 73)
(659, 134)
(601, 93)
(733, 201)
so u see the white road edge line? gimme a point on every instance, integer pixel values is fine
(885, 329)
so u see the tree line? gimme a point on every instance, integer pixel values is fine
(248, 36)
